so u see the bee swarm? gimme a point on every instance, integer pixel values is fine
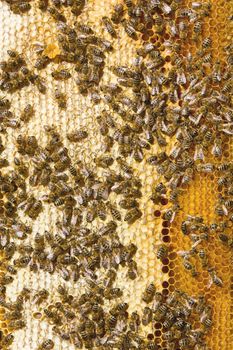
(116, 208)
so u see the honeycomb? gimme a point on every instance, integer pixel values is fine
(198, 198)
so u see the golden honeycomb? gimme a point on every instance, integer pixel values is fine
(197, 198)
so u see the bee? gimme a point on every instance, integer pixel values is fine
(77, 136)
(132, 271)
(114, 211)
(22, 261)
(146, 316)
(112, 293)
(40, 296)
(61, 99)
(203, 257)
(104, 161)
(95, 97)
(160, 311)
(17, 324)
(4, 104)
(62, 74)
(47, 344)
(214, 278)
(117, 13)
(129, 29)
(13, 315)
(162, 252)
(207, 42)
(170, 214)
(149, 293)
(6, 279)
(187, 265)
(217, 149)
(124, 166)
(109, 26)
(43, 5)
(40, 84)
(56, 15)
(128, 3)
(27, 113)
(42, 62)
(134, 321)
(11, 269)
(133, 215)
(7, 340)
(112, 322)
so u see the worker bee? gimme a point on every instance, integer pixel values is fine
(56, 15)
(214, 278)
(47, 344)
(114, 211)
(40, 296)
(149, 293)
(43, 5)
(6, 279)
(132, 270)
(77, 136)
(132, 215)
(134, 321)
(61, 99)
(40, 84)
(42, 62)
(109, 26)
(112, 321)
(7, 340)
(117, 13)
(146, 316)
(62, 74)
(129, 29)
(128, 3)
(112, 293)
(162, 252)
(27, 113)
(206, 43)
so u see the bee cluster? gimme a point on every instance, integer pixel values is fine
(166, 96)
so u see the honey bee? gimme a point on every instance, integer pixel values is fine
(162, 252)
(40, 84)
(61, 99)
(43, 5)
(114, 211)
(146, 316)
(134, 321)
(132, 271)
(214, 278)
(42, 62)
(16, 324)
(112, 322)
(206, 43)
(27, 113)
(77, 136)
(6, 279)
(56, 15)
(117, 13)
(7, 340)
(40, 296)
(133, 215)
(11, 269)
(62, 74)
(112, 293)
(47, 344)
(129, 29)
(149, 293)
(109, 26)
